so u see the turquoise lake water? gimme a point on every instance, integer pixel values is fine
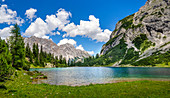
(87, 75)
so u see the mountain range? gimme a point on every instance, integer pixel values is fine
(66, 50)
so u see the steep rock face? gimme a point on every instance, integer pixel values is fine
(145, 32)
(67, 50)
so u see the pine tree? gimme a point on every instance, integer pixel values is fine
(42, 57)
(34, 50)
(97, 55)
(5, 60)
(49, 57)
(17, 48)
(27, 50)
(64, 61)
(56, 61)
(45, 58)
(61, 59)
(52, 59)
(30, 55)
(36, 54)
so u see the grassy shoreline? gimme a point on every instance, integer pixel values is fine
(21, 86)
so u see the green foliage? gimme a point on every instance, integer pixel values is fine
(146, 44)
(127, 24)
(29, 53)
(17, 48)
(156, 58)
(142, 43)
(130, 17)
(117, 52)
(42, 57)
(139, 40)
(113, 55)
(162, 9)
(5, 60)
(97, 55)
(164, 37)
(130, 57)
(60, 59)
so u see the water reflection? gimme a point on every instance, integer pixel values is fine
(87, 75)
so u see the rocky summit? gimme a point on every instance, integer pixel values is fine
(66, 50)
(139, 36)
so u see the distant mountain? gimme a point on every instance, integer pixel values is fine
(142, 38)
(66, 50)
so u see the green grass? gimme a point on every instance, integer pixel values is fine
(109, 65)
(21, 87)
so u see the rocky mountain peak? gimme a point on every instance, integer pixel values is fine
(145, 31)
(66, 50)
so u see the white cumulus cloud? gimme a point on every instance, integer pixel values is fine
(30, 13)
(91, 52)
(89, 29)
(5, 32)
(3, 0)
(38, 28)
(44, 29)
(8, 16)
(64, 41)
(80, 47)
(59, 20)
(74, 43)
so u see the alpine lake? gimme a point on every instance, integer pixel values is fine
(77, 76)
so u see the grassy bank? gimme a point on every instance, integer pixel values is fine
(21, 86)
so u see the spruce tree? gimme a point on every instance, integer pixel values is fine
(64, 61)
(30, 55)
(17, 48)
(60, 59)
(5, 60)
(97, 55)
(34, 50)
(36, 54)
(42, 57)
(27, 50)
(56, 61)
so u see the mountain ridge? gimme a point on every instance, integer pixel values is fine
(143, 34)
(66, 50)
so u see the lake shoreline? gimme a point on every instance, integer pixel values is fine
(113, 82)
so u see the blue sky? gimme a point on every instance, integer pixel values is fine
(101, 15)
